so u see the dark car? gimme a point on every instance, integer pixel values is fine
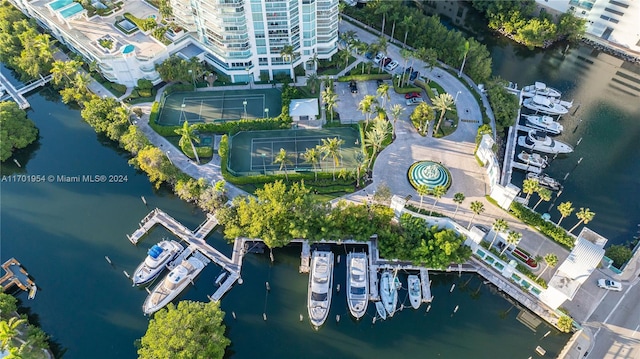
(408, 70)
(412, 95)
(369, 55)
(386, 61)
(379, 82)
(414, 75)
(353, 87)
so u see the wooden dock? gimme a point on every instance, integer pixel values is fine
(305, 257)
(14, 274)
(198, 247)
(425, 282)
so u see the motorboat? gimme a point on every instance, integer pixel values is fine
(533, 159)
(539, 141)
(540, 89)
(415, 291)
(172, 285)
(158, 256)
(567, 104)
(357, 284)
(544, 105)
(388, 292)
(320, 287)
(381, 311)
(544, 123)
(545, 181)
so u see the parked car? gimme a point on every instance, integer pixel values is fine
(414, 101)
(378, 58)
(610, 285)
(353, 87)
(392, 65)
(408, 70)
(379, 82)
(412, 95)
(386, 61)
(414, 75)
(369, 55)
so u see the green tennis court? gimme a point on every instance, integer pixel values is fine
(256, 151)
(215, 106)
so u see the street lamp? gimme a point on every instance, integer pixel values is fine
(456, 99)
(182, 113)
(193, 79)
(266, 110)
(248, 77)
(244, 103)
(264, 166)
(169, 158)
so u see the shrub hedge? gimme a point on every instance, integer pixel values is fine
(549, 229)
(364, 77)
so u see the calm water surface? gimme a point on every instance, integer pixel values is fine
(62, 231)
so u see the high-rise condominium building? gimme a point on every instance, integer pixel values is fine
(244, 38)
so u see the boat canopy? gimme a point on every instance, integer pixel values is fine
(155, 251)
(540, 85)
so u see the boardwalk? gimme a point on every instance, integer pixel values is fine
(14, 274)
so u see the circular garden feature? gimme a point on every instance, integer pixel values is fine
(429, 173)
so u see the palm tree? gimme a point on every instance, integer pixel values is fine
(406, 55)
(360, 158)
(9, 330)
(477, 207)
(312, 82)
(287, 53)
(442, 102)
(382, 46)
(422, 190)
(406, 23)
(458, 198)
(529, 187)
(551, 260)
(396, 112)
(330, 99)
(585, 216)
(395, 16)
(382, 7)
(565, 209)
(188, 134)
(499, 225)
(283, 160)
(513, 238)
(383, 92)
(437, 193)
(63, 70)
(464, 59)
(313, 157)
(375, 137)
(331, 147)
(429, 57)
(366, 106)
(545, 195)
(344, 55)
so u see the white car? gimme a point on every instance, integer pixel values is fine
(610, 285)
(414, 101)
(392, 65)
(378, 58)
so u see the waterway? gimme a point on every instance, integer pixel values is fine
(61, 232)
(605, 120)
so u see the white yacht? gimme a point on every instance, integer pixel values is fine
(388, 292)
(320, 287)
(540, 89)
(539, 141)
(415, 291)
(544, 123)
(172, 285)
(544, 105)
(545, 181)
(533, 159)
(157, 258)
(357, 284)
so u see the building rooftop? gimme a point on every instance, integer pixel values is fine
(304, 107)
(88, 31)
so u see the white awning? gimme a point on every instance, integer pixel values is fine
(304, 107)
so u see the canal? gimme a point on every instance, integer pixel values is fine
(61, 232)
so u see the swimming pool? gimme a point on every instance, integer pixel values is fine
(128, 49)
(58, 4)
(71, 10)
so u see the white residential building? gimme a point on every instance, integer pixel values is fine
(611, 22)
(121, 57)
(243, 38)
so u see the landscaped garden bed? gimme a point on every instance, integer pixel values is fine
(525, 258)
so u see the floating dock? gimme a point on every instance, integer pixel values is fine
(14, 274)
(426, 286)
(197, 245)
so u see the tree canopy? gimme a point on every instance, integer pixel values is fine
(178, 69)
(504, 104)
(192, 330)
(16, 130)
